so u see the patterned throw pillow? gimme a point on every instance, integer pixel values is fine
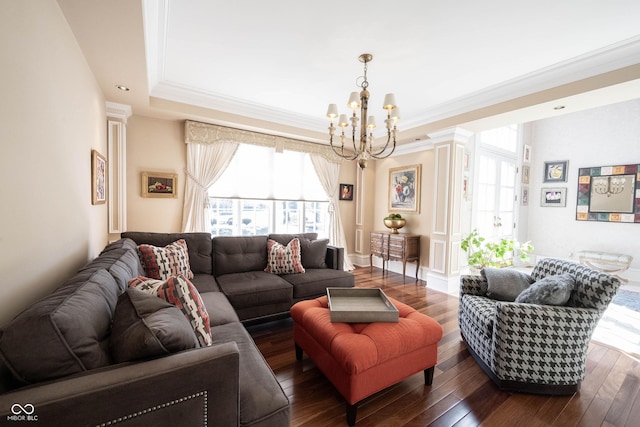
(179, 291)
(162, 263)
(284, 259)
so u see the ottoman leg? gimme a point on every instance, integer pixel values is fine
(298, 352)
(351, 413)
(428, 375)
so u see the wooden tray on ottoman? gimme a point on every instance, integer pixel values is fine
(360, 305)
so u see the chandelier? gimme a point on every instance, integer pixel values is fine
(363, 144)
(608, 185)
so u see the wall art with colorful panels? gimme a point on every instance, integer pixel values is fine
(609, 193)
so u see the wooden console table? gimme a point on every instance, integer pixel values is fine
(395, 247)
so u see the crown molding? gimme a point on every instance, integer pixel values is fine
(591, 64)
(118, 111)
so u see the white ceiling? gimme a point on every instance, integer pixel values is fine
(276, 65)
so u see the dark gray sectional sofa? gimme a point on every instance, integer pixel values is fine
(56, 363)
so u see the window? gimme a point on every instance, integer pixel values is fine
(264, 192)
(495, 214)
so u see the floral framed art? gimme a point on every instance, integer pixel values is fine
(346, 191)
(404, 188)
(98, 178)
(163, 185)
(556, 171)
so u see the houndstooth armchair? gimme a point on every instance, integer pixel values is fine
(535, 348)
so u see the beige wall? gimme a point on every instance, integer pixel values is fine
(417, 223)
(158, 145)
(154, 145)
(53, 114)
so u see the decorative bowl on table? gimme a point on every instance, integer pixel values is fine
(395, 224)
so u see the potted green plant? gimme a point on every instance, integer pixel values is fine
(482, 252)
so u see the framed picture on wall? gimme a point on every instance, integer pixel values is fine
(553, 197)
(346, 191)
(556, 171)
(404, 188)
(163, 185)
(525, 196)
(525, 174)
(526, 154)
(98, 178)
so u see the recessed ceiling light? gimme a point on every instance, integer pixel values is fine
(122, 88)
(558, 107)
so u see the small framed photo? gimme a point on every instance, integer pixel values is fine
(526, 154)
(525, 174)
(556, 171)
(98, 178)
(346, 191)
(553, 197)
(164, 185)
(525, 196)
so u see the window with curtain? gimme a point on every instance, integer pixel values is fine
(264, 192)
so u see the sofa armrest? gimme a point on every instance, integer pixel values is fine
(473, 285)
(335, 257)
(185, 388)
(542, 343)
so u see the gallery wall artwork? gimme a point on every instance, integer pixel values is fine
(609, 193)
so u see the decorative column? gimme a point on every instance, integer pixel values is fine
(117, 115)
(446, 230)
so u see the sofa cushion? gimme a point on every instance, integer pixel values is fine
(205, 283)
(255, 288)
(146, 326)
(552, 290)
(239, 254)
(262, 400)
(198, 245)
(179, 291)
(505, 284)
(123, 264)
(313, 253)
(219, 308)
(120, 244)
(47, 341)
(283, 259)
(315, 281)
(284, 238)
(162, 263)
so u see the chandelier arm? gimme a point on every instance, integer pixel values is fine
(341, 152)
(386, 146)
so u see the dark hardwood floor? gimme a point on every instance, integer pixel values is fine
(461, 394)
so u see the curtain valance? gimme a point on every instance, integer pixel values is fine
(205, 133)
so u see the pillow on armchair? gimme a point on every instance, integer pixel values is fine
(505, 284)
(552, 290)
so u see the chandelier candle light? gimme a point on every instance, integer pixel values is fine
(363, 149)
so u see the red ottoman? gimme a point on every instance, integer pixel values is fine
(361, 359)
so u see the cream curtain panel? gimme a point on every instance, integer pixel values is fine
(209, 152)
(328, 173)
(205, 163)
